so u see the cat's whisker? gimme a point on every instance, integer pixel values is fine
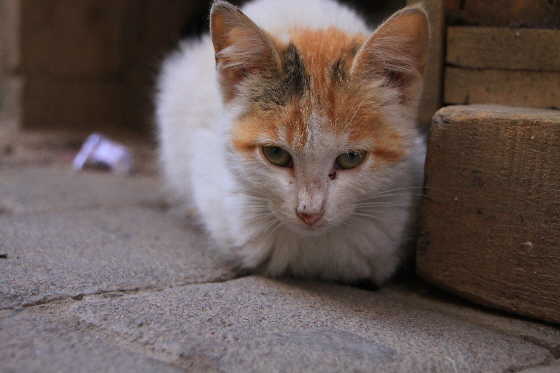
(278, 226)
(252, 195)
(263, 214)
(380, 226)
(387, 196)
(389, 199)
(270, 228)
(371, 205)
(356, 111)
(255, 208)
(357, 187)
(258, 218)
(400, 189)
(346, 223)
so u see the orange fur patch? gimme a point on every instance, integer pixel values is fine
(249, 129)
(349, 107)
(320, 50)
(256, 125)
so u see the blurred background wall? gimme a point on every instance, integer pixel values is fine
(90, 64)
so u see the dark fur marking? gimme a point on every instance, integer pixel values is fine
(354, 49)
(278, 88)
(296, 78)
(338, 71)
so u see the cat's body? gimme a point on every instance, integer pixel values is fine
(303, 91)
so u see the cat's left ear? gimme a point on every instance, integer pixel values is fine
(241, 47)
(397, 52)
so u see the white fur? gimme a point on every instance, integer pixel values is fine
(248, 207)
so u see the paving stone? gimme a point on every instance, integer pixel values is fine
(42, 189)
(94, 236)
(550, 368)
(72, 252)
(43, 342)
(421, 295)
(256, 324)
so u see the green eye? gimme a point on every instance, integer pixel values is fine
(349, 160)
(277, 156)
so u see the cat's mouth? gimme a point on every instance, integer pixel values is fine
(316, 229)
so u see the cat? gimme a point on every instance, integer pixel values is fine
(291, 130)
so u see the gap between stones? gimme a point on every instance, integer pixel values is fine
(179, 361)
(546, 362)
(471, 68)
(112, 293)
(554, 351)
(154, 205)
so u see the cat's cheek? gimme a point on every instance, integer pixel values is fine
(342, 196)
(280, 185)
(341, 212)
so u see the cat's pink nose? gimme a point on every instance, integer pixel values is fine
(310, 219)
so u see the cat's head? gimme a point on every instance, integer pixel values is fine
(320, 121)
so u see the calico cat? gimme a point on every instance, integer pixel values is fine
(291, 130)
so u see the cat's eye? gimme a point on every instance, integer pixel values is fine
(277, 156)
(350, 159)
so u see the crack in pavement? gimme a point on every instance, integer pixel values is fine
(554, 350)
(114, 338)
(514, 369)
(147, 204)
(53, 299)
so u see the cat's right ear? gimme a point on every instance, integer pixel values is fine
(241, 47)
(397, 51)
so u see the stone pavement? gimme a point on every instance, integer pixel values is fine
(96, 275)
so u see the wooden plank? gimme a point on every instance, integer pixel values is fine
(433, 76)
(10, 52)
(153, 30)
(71, 104)
(503, 48)
(491, 219)
(516, 88)
(72, 38)
(10, 100)
(518, 13)
(10, 60)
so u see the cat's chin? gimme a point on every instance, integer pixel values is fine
(307, 231)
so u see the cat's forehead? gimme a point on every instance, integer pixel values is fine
(314, 65)
(311, 104)
(326, 56)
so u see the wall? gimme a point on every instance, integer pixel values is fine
(86, 65)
